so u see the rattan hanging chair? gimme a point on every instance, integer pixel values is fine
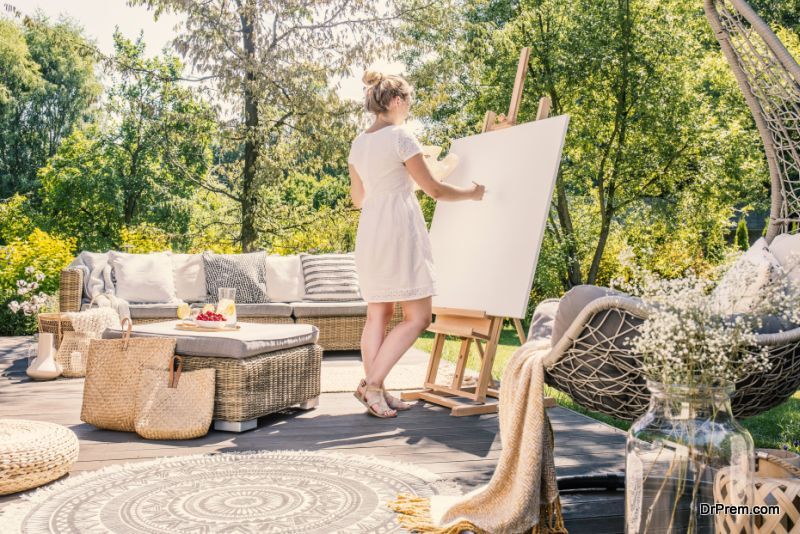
(591, 362)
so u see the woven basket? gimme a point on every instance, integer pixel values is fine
(33, 453)
(776, 481)
(174, 405)
(113, 371)
(73, 342)
(55, 323)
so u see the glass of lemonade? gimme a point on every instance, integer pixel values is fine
(226, 304)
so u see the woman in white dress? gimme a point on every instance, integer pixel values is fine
(393, 251)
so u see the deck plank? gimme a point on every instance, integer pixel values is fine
(464, 450)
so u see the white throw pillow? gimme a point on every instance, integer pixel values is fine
(740, 289)
(786, 249)
(285, 278)
(143, 278)
(190, 277)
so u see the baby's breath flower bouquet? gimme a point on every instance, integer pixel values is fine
(690, 339)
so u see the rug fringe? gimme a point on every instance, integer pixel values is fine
(414, 513)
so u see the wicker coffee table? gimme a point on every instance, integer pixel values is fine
(260, 368)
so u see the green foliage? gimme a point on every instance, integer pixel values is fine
(742, 237)
(14, 220)
(143, 238)
(41, 251)
(139, 165)
(47, 85)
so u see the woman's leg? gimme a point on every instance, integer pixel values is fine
(378, 316)
(416, 318)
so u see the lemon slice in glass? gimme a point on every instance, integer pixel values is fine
(184, 311)
(227, 308)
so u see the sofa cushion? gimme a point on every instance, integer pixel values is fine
(285, 278)
(190, 277)
(355, 308)
(161, 310)
(249, 340)
(143, 277)
(572, 304)
(264, 309)
(330, 277)
(741, 287)
(245, 272)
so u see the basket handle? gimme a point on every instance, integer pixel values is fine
(126, 335)
(175, 368)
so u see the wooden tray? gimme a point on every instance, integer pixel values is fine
(194, 328)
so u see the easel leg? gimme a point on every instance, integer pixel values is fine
(461, 364)
(520, 331)
(485, 375)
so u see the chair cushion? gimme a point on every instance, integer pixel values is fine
(154, 311)
(249, 340)
(354, 308)
(572, 304)
(786, 249)
(143, 277)
(245, 272)
(741, 287)
(330, 277)
(544, 317)
(285, 278)
(190, 277)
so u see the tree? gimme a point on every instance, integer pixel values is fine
(659, 137)
(47, 87)
(136, 166)
(742, 236)
(274, 63)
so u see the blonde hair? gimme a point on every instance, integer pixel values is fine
(382, 89)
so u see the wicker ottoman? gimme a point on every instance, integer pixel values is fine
(260, 369)
(33, 453)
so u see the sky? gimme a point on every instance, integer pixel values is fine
(100, 17)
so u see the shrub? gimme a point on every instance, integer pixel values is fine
(41, 252)
(21, 305)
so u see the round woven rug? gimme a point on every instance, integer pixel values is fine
(265, 492)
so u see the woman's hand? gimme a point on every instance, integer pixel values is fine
(478, 191)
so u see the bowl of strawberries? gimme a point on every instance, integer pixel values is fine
(211, 320)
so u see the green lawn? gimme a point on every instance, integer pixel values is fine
(771, 429)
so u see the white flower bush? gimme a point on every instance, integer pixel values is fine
(30, 302)
(689, 338)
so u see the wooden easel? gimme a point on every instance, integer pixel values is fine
(474, 326)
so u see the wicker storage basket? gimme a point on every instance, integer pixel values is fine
(263, 384)
(73, 342)
(776, 481)
(174, 405)
(33, 453)
(113, 371)
(55, 323)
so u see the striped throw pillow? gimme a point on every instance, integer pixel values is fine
(330, 277)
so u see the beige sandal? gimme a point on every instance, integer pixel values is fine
(384, 412)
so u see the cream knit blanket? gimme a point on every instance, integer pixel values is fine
(522, 495)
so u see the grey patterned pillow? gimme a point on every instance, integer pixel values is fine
(330, 277)
(246, 272)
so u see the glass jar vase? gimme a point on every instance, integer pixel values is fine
(686, 457)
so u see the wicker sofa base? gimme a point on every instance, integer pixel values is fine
(249, 388)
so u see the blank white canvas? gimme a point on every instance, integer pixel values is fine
(485, 252)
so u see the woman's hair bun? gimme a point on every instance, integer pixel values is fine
(372, 77)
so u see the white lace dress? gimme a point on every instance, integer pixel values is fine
(393, 251)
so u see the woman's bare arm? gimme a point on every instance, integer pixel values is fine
(356, 187)
(435, 189)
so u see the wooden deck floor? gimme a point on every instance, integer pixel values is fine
(465, 449)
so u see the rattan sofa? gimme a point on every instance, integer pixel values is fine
(339, 323)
